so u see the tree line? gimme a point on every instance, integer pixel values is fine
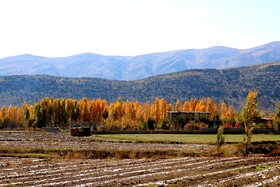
(117, 115)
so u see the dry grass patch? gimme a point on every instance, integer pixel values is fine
(232, 150)
(9, 163)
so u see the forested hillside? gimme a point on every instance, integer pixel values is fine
(229, 85)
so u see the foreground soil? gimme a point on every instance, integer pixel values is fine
(20, 164)
(187, 171)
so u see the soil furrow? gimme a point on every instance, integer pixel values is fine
(144, 172)
(238, 176)
(62, 167)
(85, 171)
(201, 171)
(162, 172)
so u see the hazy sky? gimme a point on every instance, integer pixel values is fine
(56, 28)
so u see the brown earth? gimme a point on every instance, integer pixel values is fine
(253, 170)
(62, 143)
(187, 171)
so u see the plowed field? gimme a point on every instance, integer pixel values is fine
(188, 171)
(44, 140)
(20, 169)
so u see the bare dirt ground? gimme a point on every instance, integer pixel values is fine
(188, 171)
(24, 139)
(183, 171)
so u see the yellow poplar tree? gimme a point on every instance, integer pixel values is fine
(186, 106)
(249, 112)
(230, 114)
(223, 111)
(212, 108)
(193, 104)
(178, 105)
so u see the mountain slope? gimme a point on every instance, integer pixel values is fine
(229, 85)
(141, 66)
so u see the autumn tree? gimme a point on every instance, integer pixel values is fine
(193, 103)
(3, 111)
(178, 105)
(230, 114)
(157, 110)
(249, 112)
(163, 109)
(97, 108)
(11, 112)
(200, 106)
(69, 108)
(212, 108)
(223, 116)
(186, 106)
(139, 113)
(129, 117)
(18, 116)
(170, 107)
(84, 114)
(146, 111)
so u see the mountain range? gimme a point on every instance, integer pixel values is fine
(141, 66)
(230, 85)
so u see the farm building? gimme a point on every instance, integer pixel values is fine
(186, 116)
(264, 122)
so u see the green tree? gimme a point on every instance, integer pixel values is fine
(151, 123)
(105, 114)
(276, 121)
(178, 122)
(220, 138)
(26, 114)
(249, 112)
(38, 117)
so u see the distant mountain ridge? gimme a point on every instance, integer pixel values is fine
(141, 66)
(229, 85)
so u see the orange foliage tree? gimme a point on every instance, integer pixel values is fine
(118, 115)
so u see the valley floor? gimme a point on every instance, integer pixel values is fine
(57, 159)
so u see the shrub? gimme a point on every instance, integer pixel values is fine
(165, 125)
(179, 122)
(151, 123)
(269, 125)
(276, 124)
(102, 127)
(192, 125)
(141, 126)
(237, 125)
(202, 125)
(227, 125)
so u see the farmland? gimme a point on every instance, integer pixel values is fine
(185, 171)
(57, 159)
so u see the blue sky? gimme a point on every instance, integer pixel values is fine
(57, 28)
